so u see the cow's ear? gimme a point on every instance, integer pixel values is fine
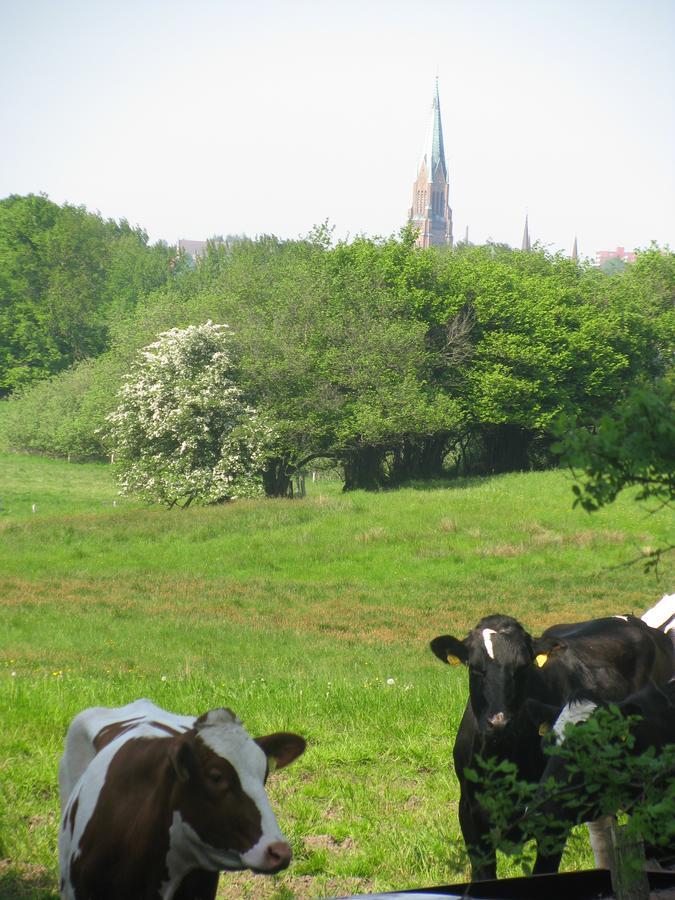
(543, 715)
(630, 709)
(182, 757)
(281, 748)
(547, 648)
(450, 650)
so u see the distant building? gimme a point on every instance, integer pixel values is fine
(192, 248)
(430, 212)
(603, 256)
(526, 244)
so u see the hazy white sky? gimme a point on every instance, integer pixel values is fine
(216, 116)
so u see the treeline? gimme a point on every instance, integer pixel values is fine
(65, 275)
(393, 362)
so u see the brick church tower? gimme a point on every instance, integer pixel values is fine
(430, 212)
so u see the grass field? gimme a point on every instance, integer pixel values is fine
(310, 615)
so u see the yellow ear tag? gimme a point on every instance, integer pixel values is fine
(271, 764)
(453, 660)
(541, 660)
(544, 728)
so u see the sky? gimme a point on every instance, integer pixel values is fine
(220, 117)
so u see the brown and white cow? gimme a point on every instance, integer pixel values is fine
(155, 805)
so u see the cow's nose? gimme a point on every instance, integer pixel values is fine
(278, 855)
(499, 720)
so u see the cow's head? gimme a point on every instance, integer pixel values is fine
(220, 808)
(498, 653)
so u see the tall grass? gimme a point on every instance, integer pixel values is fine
(309, 615)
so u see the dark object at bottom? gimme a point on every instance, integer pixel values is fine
(593, 884)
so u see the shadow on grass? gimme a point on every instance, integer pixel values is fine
(26, 882)
(450, 483)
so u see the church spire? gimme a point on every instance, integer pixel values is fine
(434, 151)
(526, 245)
(430, 211)
(575, 250)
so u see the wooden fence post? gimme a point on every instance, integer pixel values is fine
(627, 864)
(300, 485)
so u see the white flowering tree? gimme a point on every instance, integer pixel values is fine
(182, 431)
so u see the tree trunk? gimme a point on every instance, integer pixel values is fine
(419, 458)
(506, 448)
(363, 468)
(276, 479)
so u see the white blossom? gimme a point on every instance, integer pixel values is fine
(182, 431)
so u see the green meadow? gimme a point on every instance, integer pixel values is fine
(311, 615)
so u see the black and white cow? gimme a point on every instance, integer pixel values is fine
(654, 708)
(155, 805)
(611, 657)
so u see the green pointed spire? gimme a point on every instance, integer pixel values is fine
(434, 150)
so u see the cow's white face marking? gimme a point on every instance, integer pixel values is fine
(487, 640)
(187, 849)
(573, 713)
(227, 738)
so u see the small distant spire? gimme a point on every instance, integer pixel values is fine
(575, 250)
(466, 235)
(526, 237)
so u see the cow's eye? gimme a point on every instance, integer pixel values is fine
(215, 776)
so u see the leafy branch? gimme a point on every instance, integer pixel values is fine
(597, 774)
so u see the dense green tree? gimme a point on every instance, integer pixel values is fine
(634, 446)
(65, 274)
(544, 341)
(25, 348)
(394, 361)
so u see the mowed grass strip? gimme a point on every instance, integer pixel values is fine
(310, 615)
